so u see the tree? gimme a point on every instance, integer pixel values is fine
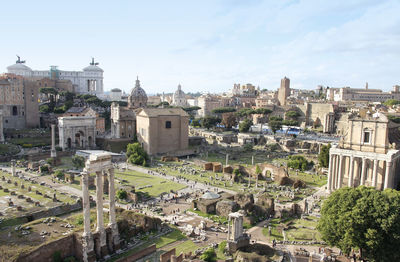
(323, 157)
(258, 170)
(299, 162)
(221, 110)
(292, 114)
(78, 161)
(365, 219)
(136, 154)
(391, 102)
(275, 125)
(209, 121)
(209, 255)
(263, 111)
(44, 109)
(122, 194)
(191, 110)
(245, 125)
(393, 118)
(229, 120)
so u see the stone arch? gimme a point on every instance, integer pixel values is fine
(69, 143)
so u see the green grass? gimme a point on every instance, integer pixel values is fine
(215, 218)
(8, 149)
(220, 250)
(186, 247)
(34, 141)
(158, 185)
(309, 179)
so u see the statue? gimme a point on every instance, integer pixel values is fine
(93, 63)
(19, 61)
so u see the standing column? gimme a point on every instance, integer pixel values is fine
(113, 221)
(13, 172)
(226, 159)
(362, 180)
(337, 171)
(340, 176)
(99, 208)
(229, 229)
(375, 173)
(252, 160)
(334, 170)
(329, 185)
(88, 244)
(387, 174)
(351, 171)
(53, 152)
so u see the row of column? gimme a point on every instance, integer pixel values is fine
(336, 171)
(235, 230)
(88, 243)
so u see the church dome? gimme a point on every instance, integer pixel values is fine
(138, 91)
(210, 195)
(179, 92)
(138, 97)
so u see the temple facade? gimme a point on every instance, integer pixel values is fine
(368, 154)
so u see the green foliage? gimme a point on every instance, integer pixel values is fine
(393, 118)
(248, 147)
(258, 170)
(222, 246)
(122, 194)
(44, 109)
(44, 169)
(290, 123)
(292, 114)
(323, 157)
(49, 161)
(245, 125)
(276, 118)
(209, 121)
(299, 162)
(236, 171)
(275, 125)
(264, 111)
(191, 108)
(365, 219)
(222, 110)
(48, 90)
(209, 255)
(27, 145)
(69, 96)
(136, 154)
(57, 256)
(196, 122)
(391, 102)
(78, 161)
(59, 174)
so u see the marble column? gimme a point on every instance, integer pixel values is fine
(226, 159)
(112, 217)
(340, 173)
(375, 173)
(351, 172)
(53, 152)
(334, 170)
(363, 166)
(388, 175)
(88, 244)
(99, 207)
(229, 229)
(13, 171)
(330, 169)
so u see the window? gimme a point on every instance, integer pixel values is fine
(168, 124)
(367, 137)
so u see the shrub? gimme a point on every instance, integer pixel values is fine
(78, 161)
(122, 194)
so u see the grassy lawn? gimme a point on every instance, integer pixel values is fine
(34, 141)
(215, 218)
(158, 185)
(244, 159)
(310, 179)
(186, 247)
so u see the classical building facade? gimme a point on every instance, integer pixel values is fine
(77, 132)
(163, 130)
(179, 97)
(362, 94)
(19, 102)
(87, 111)
(284, 91)
(87, 81)
(368, 154)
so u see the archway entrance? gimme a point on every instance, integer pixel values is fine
(79, 139)
(90, 141)
(69, 142)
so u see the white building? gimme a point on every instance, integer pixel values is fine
(87, 81)
(179, 97)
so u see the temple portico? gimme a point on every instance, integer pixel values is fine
(354, 168)
(368, 154)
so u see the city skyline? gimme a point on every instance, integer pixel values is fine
(212, 45)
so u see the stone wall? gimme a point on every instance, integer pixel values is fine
(166, 257)
(138, 255)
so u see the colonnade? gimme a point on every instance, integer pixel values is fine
(102, 248)
(356, 168)
(235, 226)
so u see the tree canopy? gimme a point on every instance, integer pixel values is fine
(209, 121)
(293, 114)
(391, 102)
(136, 154)
(229, 120)
(323, 157)
(221, 110)
(245, 125)
(365, 219)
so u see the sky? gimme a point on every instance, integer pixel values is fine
(209, 45)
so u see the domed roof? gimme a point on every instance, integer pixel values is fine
(93, 66)
(179, 92)
(138, 91)
(18, 67)
(210, 195)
